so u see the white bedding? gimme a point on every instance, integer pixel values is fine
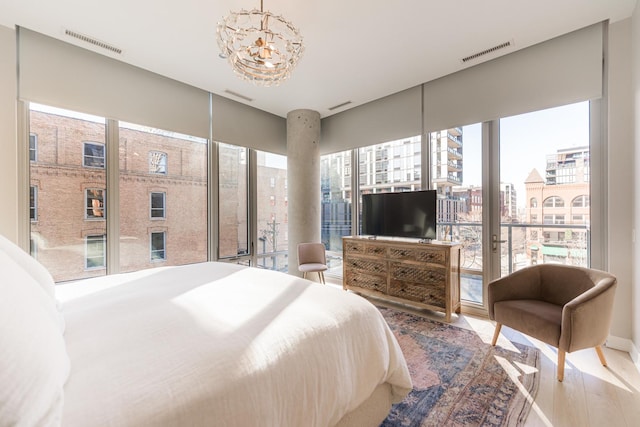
(218, 344)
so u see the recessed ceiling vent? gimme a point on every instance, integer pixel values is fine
(93, 41)
(487, 51)
(238, 95)
(335, 107)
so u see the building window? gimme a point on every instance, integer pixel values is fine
(533, 202)
(158, 240)
(580, 202)
(553, 202)
(33, 203)
(95, 252)
(158, 205)
(158, 162)
(272, 182)
(577, 219)
(272, 200)
(33, 147)
(93, 155)
(33, 248)
(534, 218)
(95, 207)
(553, 219)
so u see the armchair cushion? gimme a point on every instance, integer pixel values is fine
(535, 318)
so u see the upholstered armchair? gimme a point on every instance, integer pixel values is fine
(564, 306)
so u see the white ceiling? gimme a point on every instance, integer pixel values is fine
(356, 50)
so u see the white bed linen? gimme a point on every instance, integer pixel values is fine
(218, 344)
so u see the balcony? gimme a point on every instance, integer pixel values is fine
(456, 140)
(457, 154)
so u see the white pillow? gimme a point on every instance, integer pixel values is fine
(34, 362)
(31, 265)
(37, 271)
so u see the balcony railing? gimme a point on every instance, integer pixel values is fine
(524, 244)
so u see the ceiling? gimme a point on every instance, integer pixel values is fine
(355, 50)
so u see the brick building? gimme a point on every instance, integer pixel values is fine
(163, 197)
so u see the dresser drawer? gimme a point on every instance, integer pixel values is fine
(425, 293)
(435, 276)
(367, 281)
(375, 250)
(351, 247)
(369, 265)
(429, 255)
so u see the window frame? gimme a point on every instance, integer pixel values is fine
(87, 207)
(93, 239)
(162, 210)
(33, 150)
(162, 165)
(86, 144)
(153, 251)
(33, 207)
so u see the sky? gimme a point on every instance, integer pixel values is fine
(525, 142)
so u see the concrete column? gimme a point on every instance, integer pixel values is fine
(303, 181)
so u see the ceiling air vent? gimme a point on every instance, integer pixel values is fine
(487, 51)
(339, 105)
(93, 41)
(236, 94)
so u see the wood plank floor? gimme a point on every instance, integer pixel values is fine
(590, 395)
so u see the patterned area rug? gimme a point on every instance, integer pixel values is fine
(459, 380)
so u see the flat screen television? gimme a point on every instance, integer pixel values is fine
(404, 214)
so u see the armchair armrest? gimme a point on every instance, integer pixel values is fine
(586, 319)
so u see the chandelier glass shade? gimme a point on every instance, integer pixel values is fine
(261, 47)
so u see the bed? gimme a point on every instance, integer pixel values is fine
(197, 345)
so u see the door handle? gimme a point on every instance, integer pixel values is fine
(494, 242)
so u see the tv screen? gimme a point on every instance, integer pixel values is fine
(406, 214)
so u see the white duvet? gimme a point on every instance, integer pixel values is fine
(217, 344)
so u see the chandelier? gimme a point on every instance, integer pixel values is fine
(260, 46)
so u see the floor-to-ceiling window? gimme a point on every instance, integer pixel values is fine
(271, 205)
(68, 192)
(233, 212)
(336, 173)
(456, 174)
(538, 182)
(163, 198)
(161, 191)
(545, 187)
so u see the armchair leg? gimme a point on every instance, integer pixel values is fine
(601, 355)
(496, 334)
(561, 356)
(321, 274)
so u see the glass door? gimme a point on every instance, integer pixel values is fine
(544, 195)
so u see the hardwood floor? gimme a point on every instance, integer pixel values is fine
(590, 395)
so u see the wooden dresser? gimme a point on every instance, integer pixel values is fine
(426, 275)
